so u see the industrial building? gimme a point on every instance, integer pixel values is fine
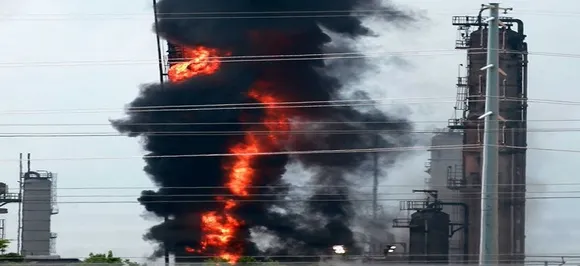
(445, 227)
(432, 229)
(6, 197)
(38, 205)
(456, 173)
(512, 135)
(36, 197)
(444, 167)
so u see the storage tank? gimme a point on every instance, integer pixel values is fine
(36, 213)
(429, 236)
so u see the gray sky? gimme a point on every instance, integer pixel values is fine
(85, 228)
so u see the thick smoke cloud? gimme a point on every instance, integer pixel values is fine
(188, 185)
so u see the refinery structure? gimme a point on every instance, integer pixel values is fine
(512, 133)
(443, 228)
(36, 199)
(456, 175)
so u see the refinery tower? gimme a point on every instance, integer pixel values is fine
(36, 197)
(454, 204)
(512, 134)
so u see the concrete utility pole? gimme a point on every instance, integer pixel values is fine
(488, 248)
(374, 243)
(376, 180)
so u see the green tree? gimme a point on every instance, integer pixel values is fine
(8, 257)
(243, 261)
(248, 261)
(4, 243)
(216, 262)
(109, 258)
(271, 262)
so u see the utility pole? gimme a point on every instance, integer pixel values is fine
(165, 249)
(376, 174)
(159, 46)
(374, 245)
(20, 190)
(488, 248)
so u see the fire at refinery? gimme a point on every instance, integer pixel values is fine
(219, 227)
(196, 61)
(246, 100)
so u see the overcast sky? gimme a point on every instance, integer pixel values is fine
(30, 38)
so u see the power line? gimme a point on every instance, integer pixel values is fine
(277, 105)
(311, 152)
(275, 56)
(292, 200)
(244, 106)
(137, 62)
(337, 151)
(265, 133)
(300, 186)
(354, 193)
(148, 14)
(314, 122)
(245, 15)
(533, 255)
(270, 58)
(239, 59)
(199, 17)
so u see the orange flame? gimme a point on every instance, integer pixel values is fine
(276, 120)
(219, 227)
(241, 171)
(218, 230)
(201, 61)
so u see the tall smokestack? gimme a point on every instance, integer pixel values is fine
(216, 201)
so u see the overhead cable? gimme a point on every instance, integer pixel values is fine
(280, 105)
(303, 152)
(270, 58)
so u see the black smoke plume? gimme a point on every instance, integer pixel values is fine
(187, 185)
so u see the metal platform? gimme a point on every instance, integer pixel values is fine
(474, 20)
(413, 205)
(465, 25)
(456, 123)
(402, 223)
(9, 198)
